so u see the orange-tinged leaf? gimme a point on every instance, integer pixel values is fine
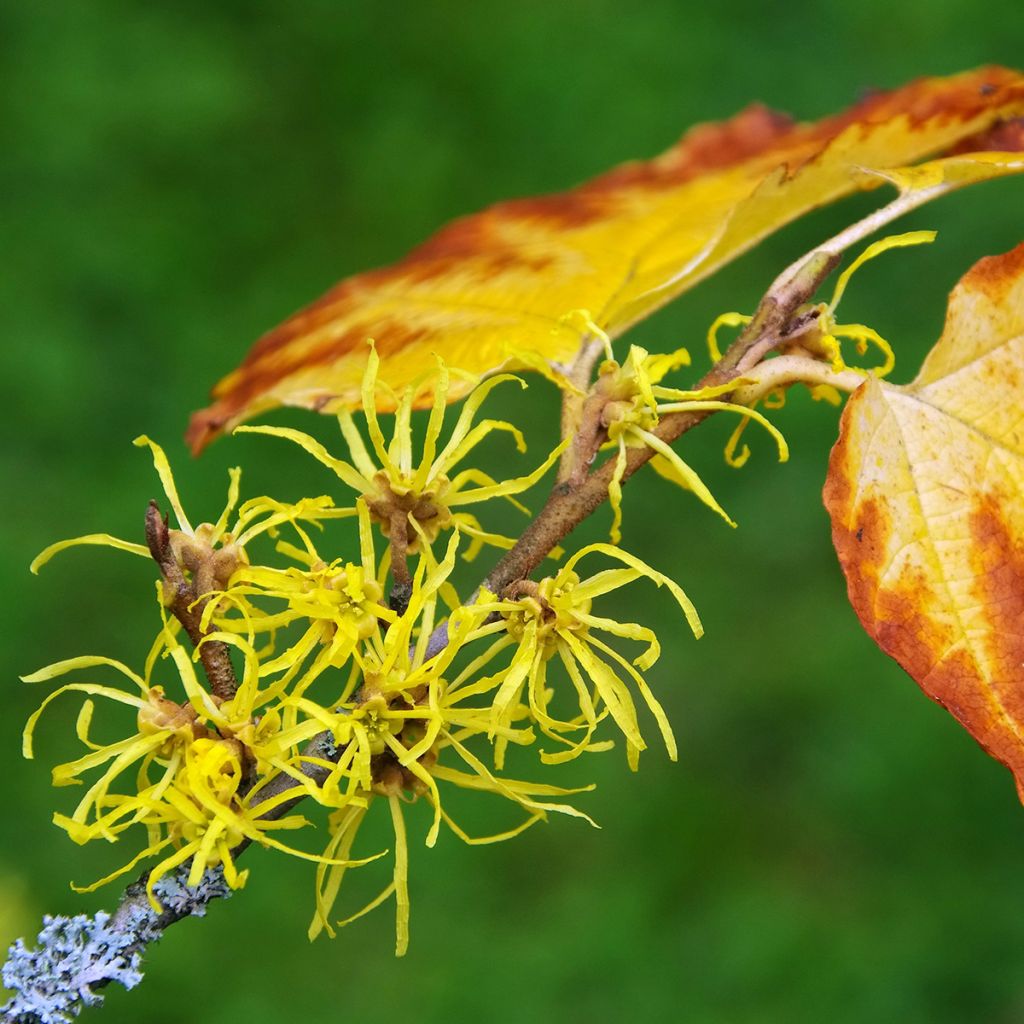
(926, 493)
(515, 276)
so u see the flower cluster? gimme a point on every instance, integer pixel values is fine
(635, 400)
(338, 693)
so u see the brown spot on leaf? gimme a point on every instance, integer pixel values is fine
(959, 98)
(995, 275)
(1005, 136)
(862, 546)
(905, 627)
(905, 618)
(752, 132)
(997, 556)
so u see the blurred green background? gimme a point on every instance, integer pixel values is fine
(177, 178)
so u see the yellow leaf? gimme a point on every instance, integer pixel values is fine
(618, 247)
(926, 494)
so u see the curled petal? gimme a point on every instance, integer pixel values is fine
(101, 539)
(163, 468)
(344, 471)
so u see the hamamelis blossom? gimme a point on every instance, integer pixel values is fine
(411, 498)
(553, 622)
(831, 331)
(210, 552)
(161, 754)
(335, 695)
(823, 342)
(635, 401)
(164, 729)
(203, 815)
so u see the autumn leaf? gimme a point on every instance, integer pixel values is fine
(515, 277)
(926, 493)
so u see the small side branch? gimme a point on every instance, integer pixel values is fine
(183, 598)
(398, 536)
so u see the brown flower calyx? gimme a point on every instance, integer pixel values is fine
(393, 779)
(389, 776)
(159, 714)
(544, 603)
(210, 568)
(390, 505)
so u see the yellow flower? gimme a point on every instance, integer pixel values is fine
(318, 654)
(411, 499)
(831, 331)
(201, 742)
(203, 815)
(393, 711)
(823, 342)
(635, 400)
(164, 730)
(210, 552)
(553, 619)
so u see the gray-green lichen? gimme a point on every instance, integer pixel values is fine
(75, 956)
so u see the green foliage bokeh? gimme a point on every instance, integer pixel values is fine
(178, 178)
